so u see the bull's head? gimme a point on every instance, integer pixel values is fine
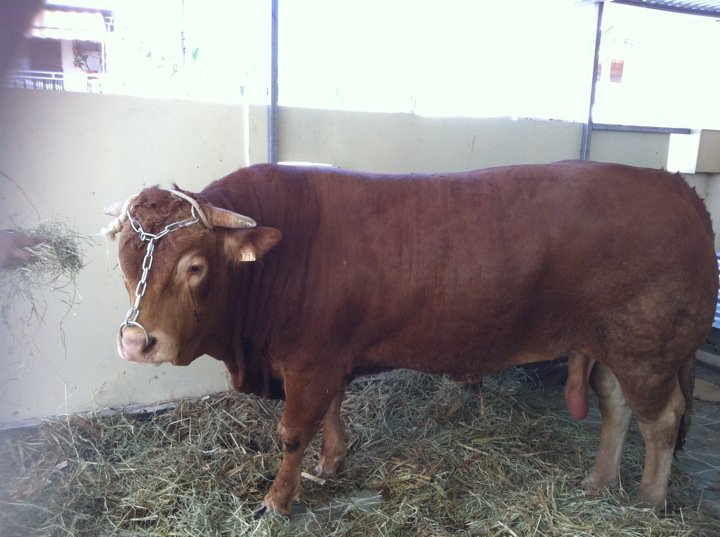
(177, 255)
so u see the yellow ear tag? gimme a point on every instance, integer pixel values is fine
(247, 254)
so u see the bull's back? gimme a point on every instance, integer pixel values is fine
(508, 264)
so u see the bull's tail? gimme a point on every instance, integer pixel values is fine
(686, 378)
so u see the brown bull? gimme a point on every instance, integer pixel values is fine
(462, 274)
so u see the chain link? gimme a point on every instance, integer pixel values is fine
(131, 317)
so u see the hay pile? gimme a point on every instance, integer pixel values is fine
(426, 458)
(57, 263)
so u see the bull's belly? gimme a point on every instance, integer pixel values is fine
(457, 360)
(625, 334)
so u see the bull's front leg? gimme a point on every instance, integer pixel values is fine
(307, 399)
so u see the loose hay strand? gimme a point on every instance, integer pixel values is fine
(57, 261)
(423, 461)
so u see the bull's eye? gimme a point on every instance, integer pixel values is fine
(196, 269)
(193, 269)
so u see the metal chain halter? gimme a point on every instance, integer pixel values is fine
(131, 317)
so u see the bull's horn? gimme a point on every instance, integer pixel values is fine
(224, 218)
(119, 207)
(114, 209)
(119, 211)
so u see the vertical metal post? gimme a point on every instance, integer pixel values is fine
(273, 109)
(588, 126)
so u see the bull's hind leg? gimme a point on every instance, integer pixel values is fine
(615, 420)
(659, 431)
(333, 440)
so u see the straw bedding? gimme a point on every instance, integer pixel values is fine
(427, 457)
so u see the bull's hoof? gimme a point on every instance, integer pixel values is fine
(593, 484)
(328, 466)
(260, 512)
(652, 499)
(265, 511)
(271, 505)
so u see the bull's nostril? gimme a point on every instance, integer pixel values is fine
(135, 344)
(150, 344)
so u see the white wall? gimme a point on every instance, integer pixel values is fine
(407, 142)
(73, 153)
(411, 143)
(712, 201)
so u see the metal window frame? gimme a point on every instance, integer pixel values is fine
(706, 8)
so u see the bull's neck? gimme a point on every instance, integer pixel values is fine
(267, 296)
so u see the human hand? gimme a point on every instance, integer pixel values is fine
(12, 248)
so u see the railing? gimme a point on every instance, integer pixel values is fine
(54, 81)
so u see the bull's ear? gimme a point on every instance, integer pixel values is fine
(250, 244)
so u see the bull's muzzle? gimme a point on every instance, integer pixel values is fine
(134, 343)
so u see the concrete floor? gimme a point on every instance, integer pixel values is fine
(701, 456)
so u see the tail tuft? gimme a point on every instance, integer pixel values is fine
(686, 378)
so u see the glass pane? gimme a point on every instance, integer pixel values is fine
(658, 69)
(451, 57)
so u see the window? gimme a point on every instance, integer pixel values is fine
(190, 49)
(658, 69)
(450, 57)
(65, 50)
(216, 51)
(443, 58)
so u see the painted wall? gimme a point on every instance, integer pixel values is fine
(406, 142)
(63, 156)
